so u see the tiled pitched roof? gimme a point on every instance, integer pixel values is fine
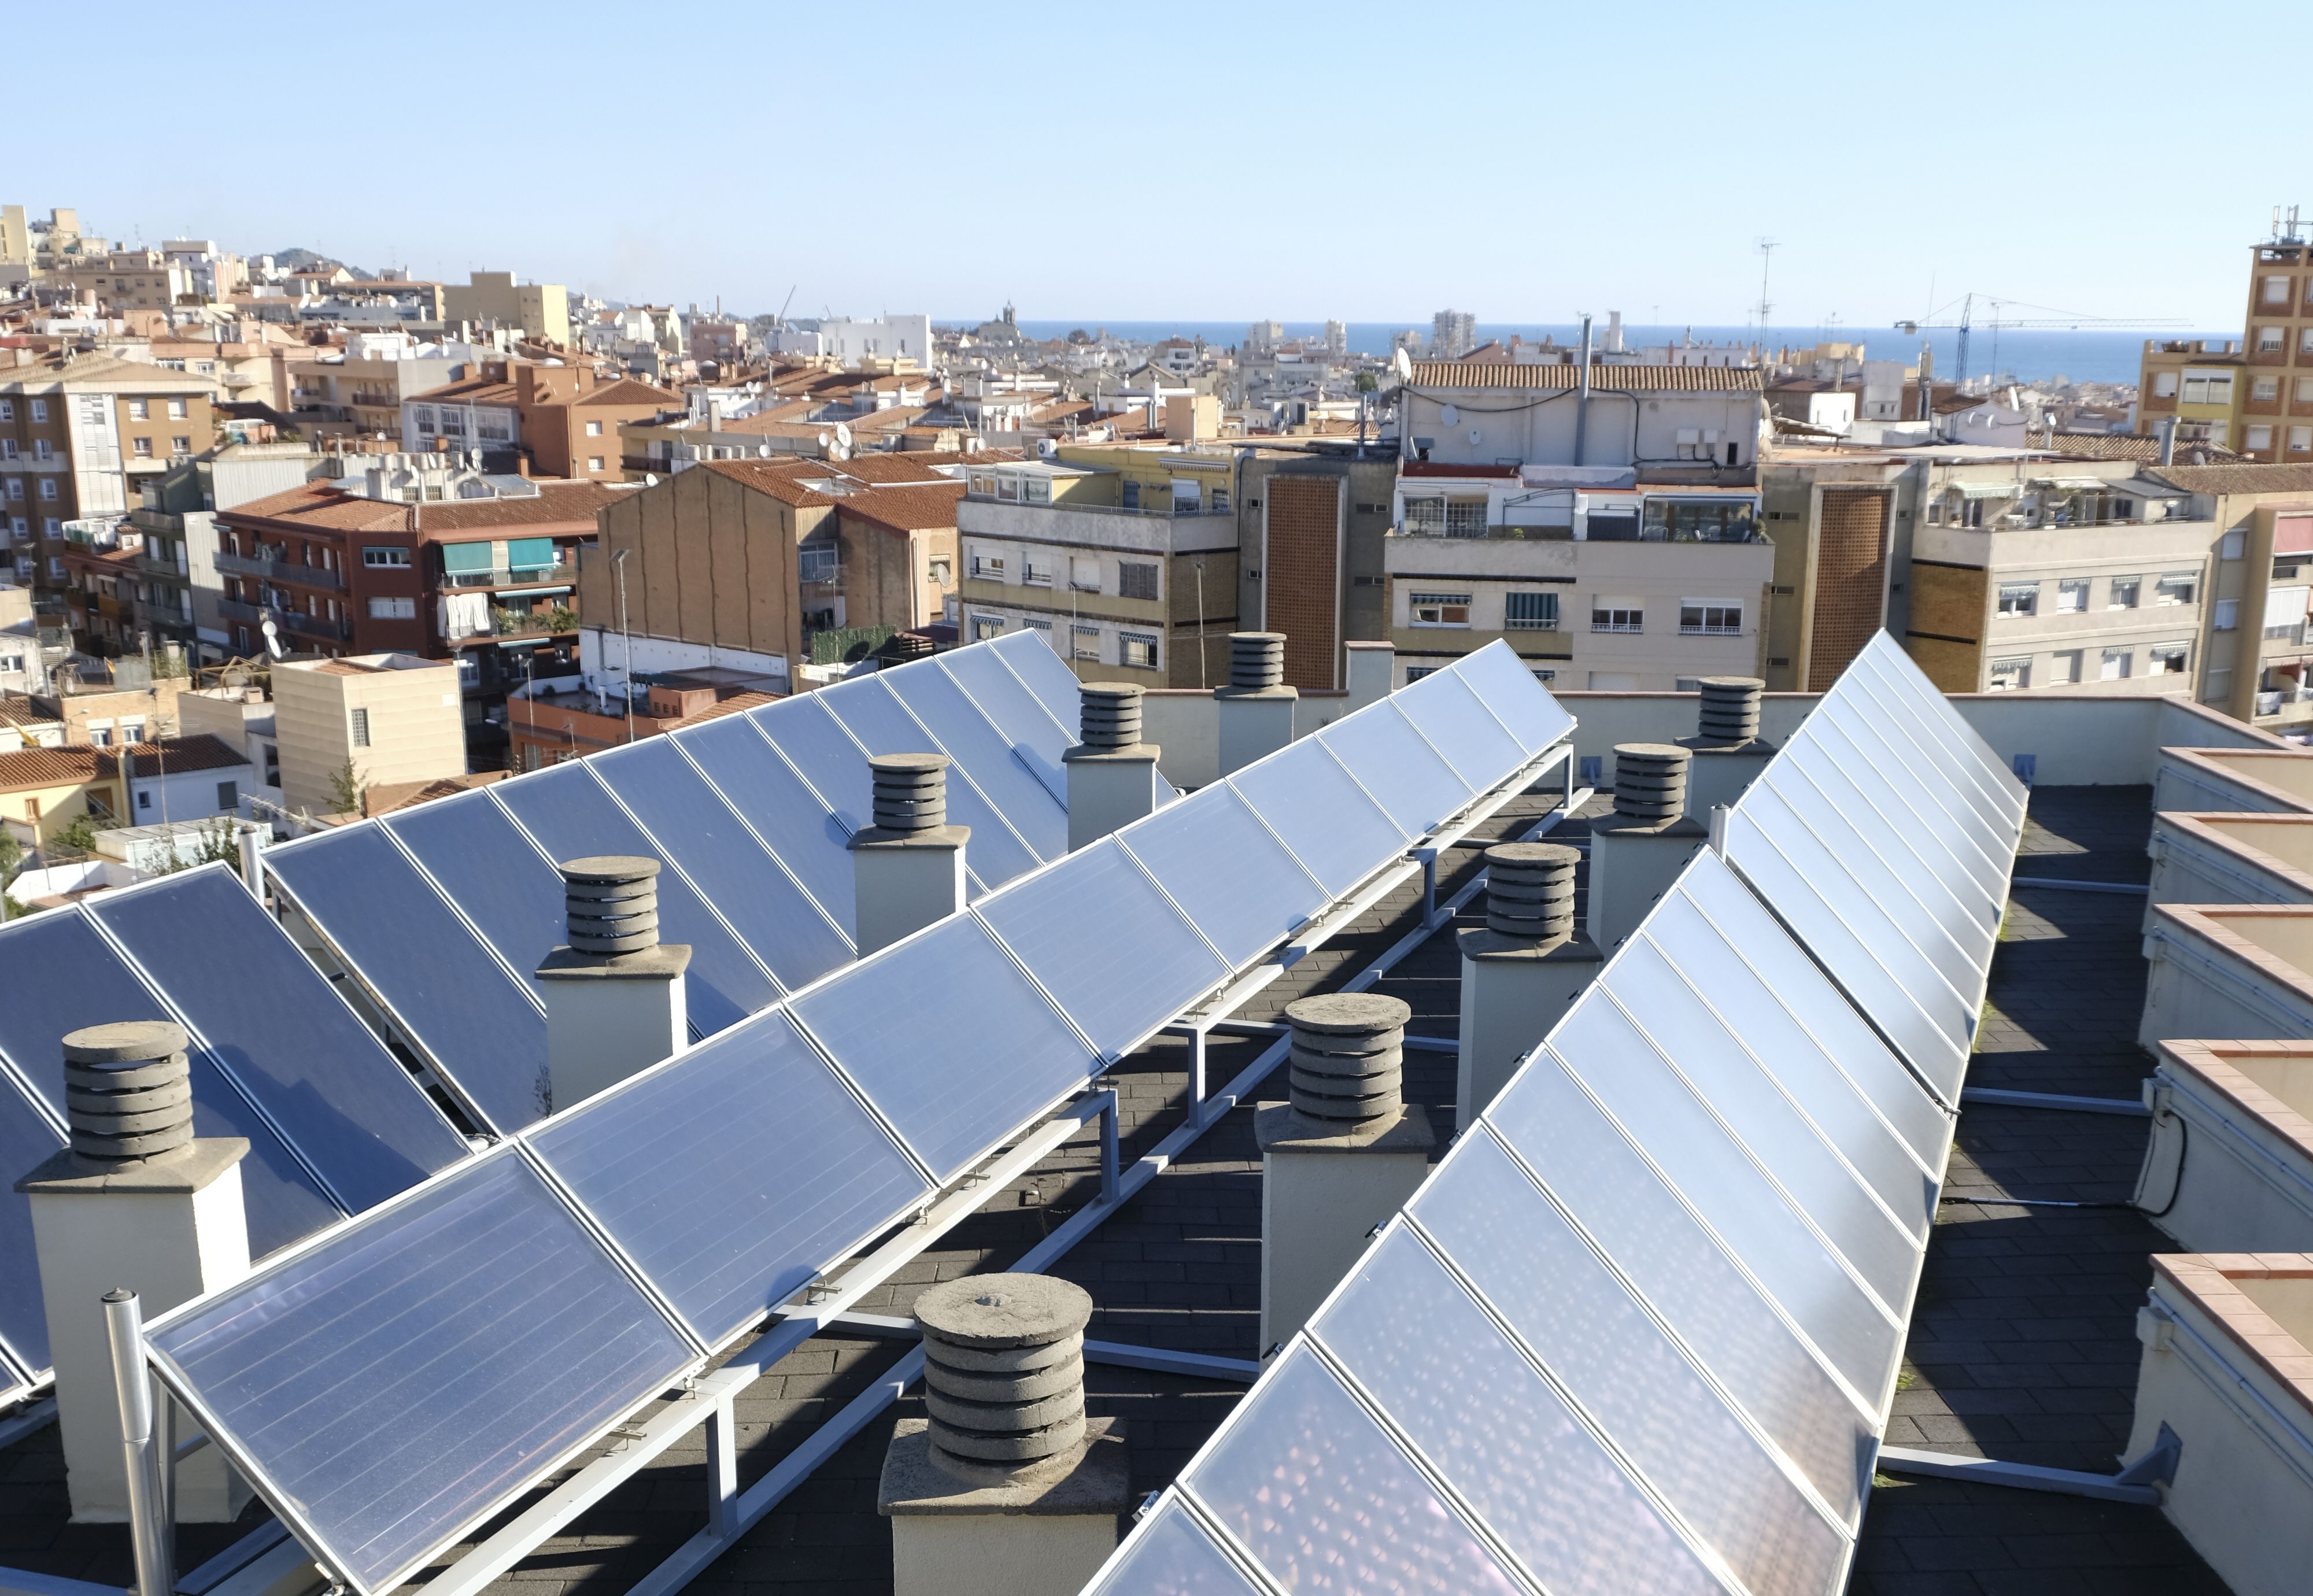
(887, 469)
(906, 509)
(178, 756)
(2237, 479)
(556, 502)
(53, 767)
(1603, 379)
(480, 390)
(627, 391)
(771, 477)
(324, 505)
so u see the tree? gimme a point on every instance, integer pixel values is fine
(11, 857)
(78, 836)
(1078, 335)
(1366, 383)
(345, 787)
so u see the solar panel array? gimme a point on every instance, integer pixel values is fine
(444, 911)
(1639, 1330)
(335, 1123)
(602, 1253)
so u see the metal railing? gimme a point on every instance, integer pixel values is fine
(561, 571)
(1171, 512)
(280, 570)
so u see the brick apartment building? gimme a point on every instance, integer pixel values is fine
(558, 420)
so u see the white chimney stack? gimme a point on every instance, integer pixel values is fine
(908, 867)
(614, 994)
(1372, 666)
(1521, 970)
(138, 1202)
(1638, 851)
(1728, 751)
(1111, 772)
(1255, 710)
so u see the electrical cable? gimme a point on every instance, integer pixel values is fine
(2176, 1186)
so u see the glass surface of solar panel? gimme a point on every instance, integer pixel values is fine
(444, 988)
(1447, 711)
(1323, 1500)
(1408, 778)
(401, 1379)
(1095, 930)
(1810, 998)
(1172, 1556)
(690, 821)
(490, 870)
(883, 725)
(27, 1139)
(1228, 871)
(1750, 1217)
(1785, 1052)
(1037, 738)
(1507, 686)
(734, 1174)
(973, 740)
(1585, 1328)
(825, 754)
(1949, 770)
(13, 1381)
(1414, 1340)
(1044, 673)
(1696, 1285)
(948, 1039)
(1885, 660)
(1973, 839)
(758, 781)
(1332, 827)
(566, 809)
(1731, 1084)
(56, 975)
(1863, 949)
(1784, 793)
(277, 1024)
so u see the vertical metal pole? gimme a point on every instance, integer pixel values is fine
(1428, 857)
(1570, 763)
(723, 1468)
(148, 1527)
(1197, 1075)
(1110, 1175)
(252, 874)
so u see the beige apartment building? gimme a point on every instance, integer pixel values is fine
(2258, 637)
(2276, 411)
(391, 716)
(541, 310)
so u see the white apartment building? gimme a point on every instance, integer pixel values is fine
(1672, 415)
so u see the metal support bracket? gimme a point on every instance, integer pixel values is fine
(2028, 1477)
(1996, 1096)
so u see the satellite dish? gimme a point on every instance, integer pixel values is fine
(650, 479)
(1401, 363)
(1449, 415)
(272, 638)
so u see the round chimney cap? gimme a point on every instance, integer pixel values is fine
(609, 868)
(1001, 1310)
(1532, 854)
(1348, 1013)
(901, 763)
(124, 1042)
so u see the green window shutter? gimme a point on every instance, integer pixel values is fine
(466, 557)
(528, 554)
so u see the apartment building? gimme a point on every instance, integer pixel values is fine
(2276, 411)
(176, 581)
(1312, 519)
(559, 420)
(125, 280)
(2079, 575)
(78, 437)
(1126, 558)
(563, 718)
(2196, 382)
(1465, 413)
(359, 391)
(389, 716)
(1597, 580)
(541, 310)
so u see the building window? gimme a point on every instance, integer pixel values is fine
(1132, 494)
(816, 564)
(2177, 587)
(2010, 676)
(2208, 387)
(1529, 612)
(2276, 290)
(1220, 500)
(2166, 659)
(40, 410)
(99, 736)
(1414, 672)
(1034, 573)
(44, 450)
(2064, 668)
(593, 463)
(2265, 390)
(2164, 384)
(1617, 614)
(361, 727)
(228, 796)
(1439, 609)
(988, 568)
(2072, 595)
(7, 410)
(2123, 593)
(593, 429)
(1545, 674)
(1135, 650)
(2228, 617)
(142, 448)
(145, 799)
(2117, 662)
(139, 410)
(2020, 599)
(1033, 622)
(2300, 440)
(1136, 580)
(984, 627)
(1709, 618)
(178, 411)
(1084, 641)
(2269, 340)
(393, 609)
(2257, 437)
(2233, 545)
(378, 559)
(1084, 575)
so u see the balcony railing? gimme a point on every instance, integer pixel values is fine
(563, 572)
(280, 570)
(1173, 512)
(315, 626)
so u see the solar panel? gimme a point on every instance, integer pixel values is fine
(870, 712)
(1171, 1553)
(949, 1039)
(1038, 737)
(1920, 792)
(1044, 673)
(1317, 809)
(973, 740)
(734, 1174)
(468, 1340)
(695, 829)
(756, 779)
(1410, 779)
(480, 1024)
(572, 816)
(280, 1029)
(815, 742)
(1507, 1439)
(1095, 931)
(27, 1139)
(1472, 738)
(1229, 872)
(1506, 684)
(484, 863)
(1885, 664)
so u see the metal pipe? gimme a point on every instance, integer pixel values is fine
(148, 1527)
(1582, 394)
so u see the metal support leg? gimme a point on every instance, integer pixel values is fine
(149, 1526)
(723, 1468)
(1197, 1075)
(1111, 1177)
(1429, 857)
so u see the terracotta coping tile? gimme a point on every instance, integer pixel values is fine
(2205, 1282)
(2206, 1061)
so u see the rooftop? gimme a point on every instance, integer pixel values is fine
(1603, 379)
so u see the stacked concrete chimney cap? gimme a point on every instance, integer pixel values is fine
(1728, 711)
(1530, 890)
(1256, 662)
(129, 1092)
(1109, 716)
(1651, 781)
(1348, 1057)
(611, 904)
(1004, 1372)
(910, 791)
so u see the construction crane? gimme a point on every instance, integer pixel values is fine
(2052, 320)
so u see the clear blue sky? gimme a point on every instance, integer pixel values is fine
(1223, 160)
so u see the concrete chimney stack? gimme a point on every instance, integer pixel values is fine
(1639, 850)
(1728, 751)
(1007, 1488)
(909, 866)
(1255, 710)
(1372, 669)
(1521, 971)
(614, 994)
(139, 1204)
(1341, 1156)
(1111, 772)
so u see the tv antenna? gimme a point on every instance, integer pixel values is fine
(1767, 248)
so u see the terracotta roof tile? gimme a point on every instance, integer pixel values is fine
(53, 767)
(178, 756)
(1603, 379)
(2237, 479)
(906, 509)
(627, 391)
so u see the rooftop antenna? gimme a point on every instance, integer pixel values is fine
(1767, 247)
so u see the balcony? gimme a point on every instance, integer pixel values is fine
(563, 572)
(314, 626)
(280, 570)
(232, 609)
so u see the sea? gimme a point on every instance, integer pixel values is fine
(2026, 357)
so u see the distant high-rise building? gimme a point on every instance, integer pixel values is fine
(1337, 338)
(2276, 412)
(1452, 334)
(1262, 337)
